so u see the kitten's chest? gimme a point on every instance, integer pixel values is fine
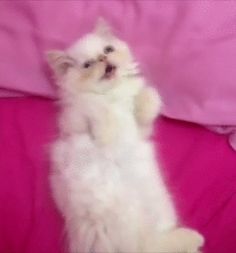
(121, 105)
(122, 108)
(121, 102)
(123, 112)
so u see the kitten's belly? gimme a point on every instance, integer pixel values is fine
(99, 179)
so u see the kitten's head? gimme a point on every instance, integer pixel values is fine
(96, 62)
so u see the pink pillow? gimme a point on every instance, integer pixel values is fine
(187, 49)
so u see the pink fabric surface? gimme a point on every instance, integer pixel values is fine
(228, 130)
(187, 48)
(198, 165)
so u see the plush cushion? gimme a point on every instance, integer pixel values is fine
(187, 49)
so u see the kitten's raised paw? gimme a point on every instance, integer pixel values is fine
(147, 106)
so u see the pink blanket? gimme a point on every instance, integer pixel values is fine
(198, 165)
(187, 49)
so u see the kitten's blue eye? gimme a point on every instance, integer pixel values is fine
(87, 64)
(109, 49)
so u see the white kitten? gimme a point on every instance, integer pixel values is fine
(106, 180)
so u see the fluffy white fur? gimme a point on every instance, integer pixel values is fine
(106, 180)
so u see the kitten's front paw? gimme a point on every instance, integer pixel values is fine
(148, 104)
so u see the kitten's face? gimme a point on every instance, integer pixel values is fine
(95, 63)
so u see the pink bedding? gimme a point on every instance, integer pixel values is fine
(187, 49)
(199, 167)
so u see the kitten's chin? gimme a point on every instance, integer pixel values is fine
(105, 85)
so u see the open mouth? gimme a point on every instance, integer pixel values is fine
(110, 71)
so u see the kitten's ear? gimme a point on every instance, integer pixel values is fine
(59, 61)
(103, 28)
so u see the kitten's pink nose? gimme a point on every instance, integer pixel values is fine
(102, 57)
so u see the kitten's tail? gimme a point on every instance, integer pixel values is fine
(92, 238)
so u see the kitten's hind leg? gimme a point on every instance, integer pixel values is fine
(182, 240)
